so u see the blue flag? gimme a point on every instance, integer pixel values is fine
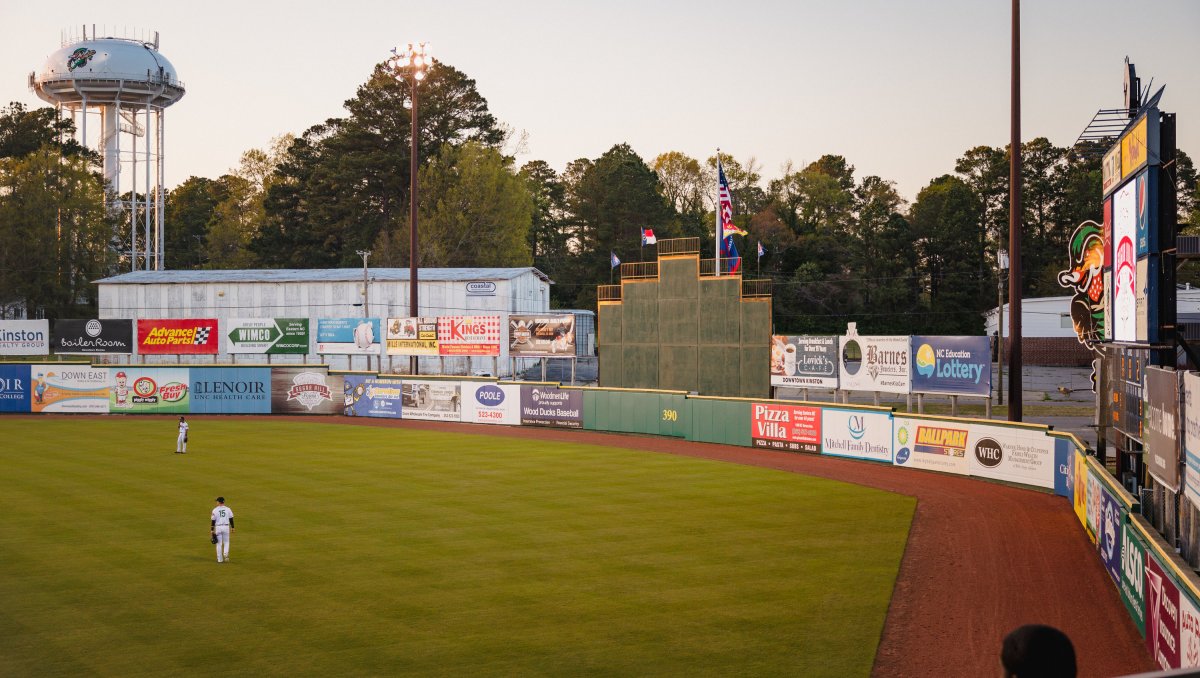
(729, 253)
(614, 262)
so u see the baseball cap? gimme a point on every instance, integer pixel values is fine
(120, 374)
(221, 499)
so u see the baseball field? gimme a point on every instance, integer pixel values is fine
(368, 550)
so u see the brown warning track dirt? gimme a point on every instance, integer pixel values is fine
(981, 559)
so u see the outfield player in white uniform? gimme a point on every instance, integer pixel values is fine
(181, 441)
(222, 525)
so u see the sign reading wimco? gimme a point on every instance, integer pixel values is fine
(1162, 426)
(93, 336)
(271, 336)
(804, 362)
(874, 363)
(952, 365)
(24, 337)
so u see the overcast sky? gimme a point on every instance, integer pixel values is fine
(900, 88)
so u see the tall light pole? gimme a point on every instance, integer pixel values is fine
(366, 295)
(1015, 362)
(410, 65)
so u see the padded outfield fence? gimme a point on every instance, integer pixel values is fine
(1160, 591)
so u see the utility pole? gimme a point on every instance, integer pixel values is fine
(1002, 262)
(1014, 225)
(366, 292)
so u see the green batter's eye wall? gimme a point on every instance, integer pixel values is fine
(667, 326)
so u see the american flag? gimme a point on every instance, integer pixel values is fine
(728, 228)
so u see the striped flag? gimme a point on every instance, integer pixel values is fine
(725, 208)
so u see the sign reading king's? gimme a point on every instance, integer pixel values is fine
(177, 336)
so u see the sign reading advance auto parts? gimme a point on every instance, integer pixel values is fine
(142, 390)
(348, 336)
(412, 336)
(271, 336)
(952, 365)
(491, 403)
(469, 335)
(874, 363)
(1162, 426)
(804, 362)
(796, 428)
(24, 337)
(93, 336)
(178, 336)
(856, 434)
(1191, 437)
(231, 390)
(930, 445)
(305, 390)
(371, 397)
(541, 335)
(551, 406)
(68, 388)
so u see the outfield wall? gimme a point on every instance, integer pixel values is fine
(1159, 590)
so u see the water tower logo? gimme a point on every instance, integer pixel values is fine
(79, 58)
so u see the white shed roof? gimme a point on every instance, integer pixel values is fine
(293, 275)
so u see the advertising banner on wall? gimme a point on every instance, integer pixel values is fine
(930, 445)
(874, 363)
(348, 336)
(795, 428)
(466, 335)
(1162, 615)
(24, 337)
(15, 392)
(230, 390)
(1125, 283)
(541, 335)
(92, 336)
(1162, 426)
(1189, 632)
(1191, 437)
(270, 336)
(367, 396)
(68, 388)
(857, 434)
(1095, 501)
(551, 406)
(1133, 576)
(432, 400)
(306, 390)
(135, 389)
(952, 365)
(1010, 454)
(491, 403)
(178, 336)
(1079, 499)
(412, 336)
(1108, 534)
(804, 361)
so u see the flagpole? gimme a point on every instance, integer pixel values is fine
(718, 214)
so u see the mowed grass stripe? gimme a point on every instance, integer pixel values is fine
(365, 550)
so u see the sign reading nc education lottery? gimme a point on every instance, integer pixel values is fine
(178, 336)
(952, 365)
(272, 336)
(93, 336)
(24, 337)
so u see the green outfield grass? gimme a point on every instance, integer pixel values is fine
(364, 550)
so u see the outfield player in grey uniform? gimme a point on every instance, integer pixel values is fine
(222, 525)
(181, 440)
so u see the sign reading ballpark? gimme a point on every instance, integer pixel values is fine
(178, 336)
(24, 337)
(348, 336)
(92, 336)
(271, 336)
(541, 335)
(412, 336)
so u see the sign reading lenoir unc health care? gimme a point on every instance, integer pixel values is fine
(178, 336)
(24, 337)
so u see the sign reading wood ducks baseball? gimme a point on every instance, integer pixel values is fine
(348, 336)
(412, 336)
(874, 363)
(469, 335)
(306, 390)
(1162, 426)
(1191, 438)
(24, 337)
(93, 336)
(68, 388)
(952, 365)
(804, 361)
(541, 335)
(271, 336)
(178, 336)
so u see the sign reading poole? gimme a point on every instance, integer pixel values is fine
(551, 406)
(348, 336)
(491, 403)
(804, 362)
(24, 337)
(178, 336)
(952, 365)
(272, 336)
(93, 336)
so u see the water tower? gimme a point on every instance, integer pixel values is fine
(116, 90)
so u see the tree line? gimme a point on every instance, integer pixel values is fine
(839, 247)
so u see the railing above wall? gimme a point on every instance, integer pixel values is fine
(639, 269)
(756, 289)
(679, 246)
(608, 293)
(708, 267)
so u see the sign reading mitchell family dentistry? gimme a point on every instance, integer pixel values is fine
(952, 365)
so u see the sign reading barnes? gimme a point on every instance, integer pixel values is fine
(804, 362)
(24, 337)
(874, 363)
(551, 406)
(93, 336)
(952, 365)
(178, 336)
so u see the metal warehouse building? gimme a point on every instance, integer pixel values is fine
(326, 293)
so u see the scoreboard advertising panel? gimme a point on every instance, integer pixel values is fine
(178, 336)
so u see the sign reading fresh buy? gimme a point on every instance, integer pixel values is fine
(271, 336)
(24, 337)
(466, 335)
(177, 336)
(786, 427)
(141, 390)
(952, 365)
